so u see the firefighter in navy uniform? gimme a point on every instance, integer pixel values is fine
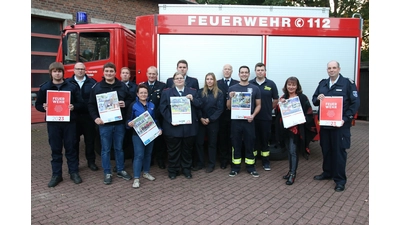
(180, 138)
(334, 140)
(224, 133)
(182, 67)
(61, 134)
(85, 125)
(155, 89)
(126, 79)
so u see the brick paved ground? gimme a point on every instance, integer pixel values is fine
(213, 198)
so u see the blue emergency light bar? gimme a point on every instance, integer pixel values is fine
(81, 18)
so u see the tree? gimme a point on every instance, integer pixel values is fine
(339, 8)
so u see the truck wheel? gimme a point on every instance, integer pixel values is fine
(277, 152)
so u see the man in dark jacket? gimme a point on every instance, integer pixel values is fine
(61, 134)
(190, 82)
(334, 140)
(112, 131)
(85, 125)
(224, 133)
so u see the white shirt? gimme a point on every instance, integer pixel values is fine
(80, 82)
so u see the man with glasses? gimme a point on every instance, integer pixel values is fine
(85, 125)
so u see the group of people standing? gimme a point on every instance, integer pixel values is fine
(183, 144)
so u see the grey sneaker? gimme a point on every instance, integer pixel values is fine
(232, 173)
(255, 174)
(123, 174)
(148, 176)
(136, 183)
(107, 178)
(267, 167)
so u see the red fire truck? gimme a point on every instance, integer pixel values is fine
(290, 41)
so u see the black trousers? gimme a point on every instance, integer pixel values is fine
(179, 153)
(62, 134)
(224, 141)
(85, 126)
(334, 143)
(211, 131)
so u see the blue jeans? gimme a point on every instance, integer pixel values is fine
(112, 134)
(142, 156)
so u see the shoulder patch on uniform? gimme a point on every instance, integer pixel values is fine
(355, 94)
(351, 81)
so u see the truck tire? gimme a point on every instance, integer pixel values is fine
(277, 152)
(127, 145)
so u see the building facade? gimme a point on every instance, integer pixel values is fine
(48, 18)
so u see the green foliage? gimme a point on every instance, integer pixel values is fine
(339, 8)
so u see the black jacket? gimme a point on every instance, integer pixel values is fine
(226, 114)
(155, 96)
(306, 131)
(76, 99)
(190, 82)
(103, 87)
(184, 130)
(84, 90)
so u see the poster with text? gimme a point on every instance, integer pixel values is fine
(108, 106)
(58, 106)
(330, 111)
(241, 106)
(180, 110)
(146, 128)
(292, 113)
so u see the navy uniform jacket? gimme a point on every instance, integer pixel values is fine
(343, 87)
(190, 82)
(268, 92)
(155, 95)
(256, 94)
(76, 98)
(132, 89)
(222, 86)
(185, 130)
(104, 87)
(84, 90)
(211, 107)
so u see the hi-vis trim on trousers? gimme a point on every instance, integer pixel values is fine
(238, 161)
(263, 154)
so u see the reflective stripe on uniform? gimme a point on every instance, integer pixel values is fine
(265, 154)
(237, 161)
(249, 161)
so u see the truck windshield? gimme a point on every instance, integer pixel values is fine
(86, 47)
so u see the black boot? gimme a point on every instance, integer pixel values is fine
(290, 180)
(286, 176)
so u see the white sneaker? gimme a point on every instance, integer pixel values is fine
(135, 183)
(148, 176)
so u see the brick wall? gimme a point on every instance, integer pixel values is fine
(121, 11)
